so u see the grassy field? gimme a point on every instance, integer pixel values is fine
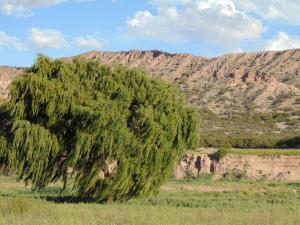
(260, 152)
(188, 202)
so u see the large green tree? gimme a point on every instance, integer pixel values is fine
(120, 131)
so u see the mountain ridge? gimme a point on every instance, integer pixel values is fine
(260, 81)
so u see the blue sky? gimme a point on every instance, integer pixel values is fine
(202, 27)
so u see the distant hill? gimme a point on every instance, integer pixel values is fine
(7, 74)
(262, 82)
(253, 97)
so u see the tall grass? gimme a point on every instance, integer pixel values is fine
(266, 203)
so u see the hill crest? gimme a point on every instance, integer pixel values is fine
(260, 81)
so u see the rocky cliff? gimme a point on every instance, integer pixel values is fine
(263, 81)
(272, 167)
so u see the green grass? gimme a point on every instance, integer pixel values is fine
(244, 203)
(262, 152)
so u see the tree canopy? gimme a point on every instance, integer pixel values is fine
(120, 131)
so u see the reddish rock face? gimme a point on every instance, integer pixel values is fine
(278, 168)
(7, 74)
(263, 81)
(193, 165)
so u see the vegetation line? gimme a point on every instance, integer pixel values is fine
(259, 152)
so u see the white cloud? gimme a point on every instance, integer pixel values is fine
(47, 39)
(170, 2)
(10, 42)
(24, 8)
(88, 42)
(85, 0)
(286, 11)
(281, 42)
(182, 20)
(18, 10)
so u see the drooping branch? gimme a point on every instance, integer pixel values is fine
(87, 116)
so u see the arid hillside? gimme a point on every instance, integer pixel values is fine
(7, 74)
(262, 82)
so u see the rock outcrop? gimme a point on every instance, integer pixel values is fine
(194, 164)
(276, 167)
(273, 167)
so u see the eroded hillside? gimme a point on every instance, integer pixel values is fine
(262, 82)
(7, 74)
(246, 99)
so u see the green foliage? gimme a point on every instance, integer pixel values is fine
(250, 130)
(259, 152)
(254, 141)
(120, 131)
(3, 149)
(289, 142)
(218, 155)
(3, 138)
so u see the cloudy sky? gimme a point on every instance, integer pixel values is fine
(201, 27)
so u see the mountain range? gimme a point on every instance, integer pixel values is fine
(259, 81)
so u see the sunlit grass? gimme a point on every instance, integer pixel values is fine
(256, 202)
